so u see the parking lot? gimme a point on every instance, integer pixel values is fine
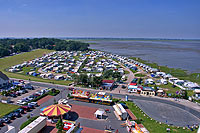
(30, 92)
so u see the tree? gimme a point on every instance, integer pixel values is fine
(97, 81)
(83, 78)
(108, 74)
(185, 95)
(59, 125)
(21, 47)
(4, 52)
(8, 46)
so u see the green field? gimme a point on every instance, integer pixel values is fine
(152, 125)
(126, 72)
(17, 59)
(7, 108)
(140, 75)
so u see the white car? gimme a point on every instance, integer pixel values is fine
(62, 101)
(21, 102)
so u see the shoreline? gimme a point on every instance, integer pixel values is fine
(176, 72)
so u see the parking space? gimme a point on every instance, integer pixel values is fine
(30, 92)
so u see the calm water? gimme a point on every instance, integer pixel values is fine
(176, 54)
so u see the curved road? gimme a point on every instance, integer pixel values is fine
(159, 109)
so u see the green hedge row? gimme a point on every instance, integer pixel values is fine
(53, 93)
(28, 122)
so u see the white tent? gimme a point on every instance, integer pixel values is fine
(99, 112)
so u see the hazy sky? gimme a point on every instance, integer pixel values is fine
(100, 18)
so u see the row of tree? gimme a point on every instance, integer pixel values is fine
(93, 81)
(112, 74)
(9, 46)
(84, 79)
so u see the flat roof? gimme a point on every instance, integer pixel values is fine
(33, 124)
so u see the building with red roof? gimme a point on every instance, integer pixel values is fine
(108, 84)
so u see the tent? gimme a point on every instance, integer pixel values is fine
(99, 112)
(56, 110)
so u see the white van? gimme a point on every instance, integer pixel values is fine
(164, 81)
(149, 81)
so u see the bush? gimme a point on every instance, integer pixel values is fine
(138, 121)
(115, 100)
(59, 125)
(70, 96)
(53, 92)
(23, 125)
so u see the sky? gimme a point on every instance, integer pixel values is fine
(100, 18)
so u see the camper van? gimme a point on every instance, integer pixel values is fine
(149, 81)
(163, 81)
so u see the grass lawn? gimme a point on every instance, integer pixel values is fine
(140, 75)
(126, 72)
(17, 59)
(7, 108)
(27, 69)
(151, 125)
(133, 71)
(169, 87)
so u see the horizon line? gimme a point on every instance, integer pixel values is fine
(90, 38)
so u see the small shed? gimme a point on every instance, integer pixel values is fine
(100, 113)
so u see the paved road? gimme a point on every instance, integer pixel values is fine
(141, 101)
(17, 122)
(158, 109)
(112, 120)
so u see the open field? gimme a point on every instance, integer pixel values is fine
(152, 125)
(6, 108)
(17, 59)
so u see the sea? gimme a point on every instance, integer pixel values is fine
(183, 54)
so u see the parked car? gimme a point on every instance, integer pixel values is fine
(21, 102)
(35, 104)
(1, 122)
(13, 95)
(30, 98)
(16, 114)
(21, 91)
(30, 106)
(20, 110)
(18, 93)
(11, 116)
(6, 119)
(26, 108)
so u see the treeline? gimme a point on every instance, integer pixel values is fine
(9, 46)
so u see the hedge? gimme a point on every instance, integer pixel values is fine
(23, 125)
(53, 94)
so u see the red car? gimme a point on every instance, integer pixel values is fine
(26, 108)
